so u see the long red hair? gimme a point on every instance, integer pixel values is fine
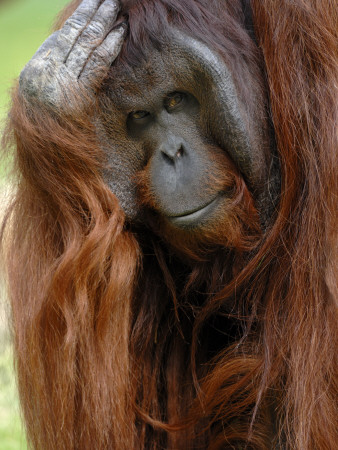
(118, 344)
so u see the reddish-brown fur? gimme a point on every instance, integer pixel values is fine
(119, 346)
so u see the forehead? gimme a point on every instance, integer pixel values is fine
(147, 83)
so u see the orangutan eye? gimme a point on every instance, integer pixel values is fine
(139, 115)
(173, 100)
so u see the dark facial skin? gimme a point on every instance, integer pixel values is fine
(170, 126)
(161, 125)
(178, 163)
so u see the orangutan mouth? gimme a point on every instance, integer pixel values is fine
(195, 217)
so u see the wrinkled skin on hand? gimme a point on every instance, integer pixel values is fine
(76, 58)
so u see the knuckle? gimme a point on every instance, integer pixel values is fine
(97, 67)
(75, 22)
(102, 56)
(95, 29)
(78, 55)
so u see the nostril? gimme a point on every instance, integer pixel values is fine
(179, 153)
(169, 159)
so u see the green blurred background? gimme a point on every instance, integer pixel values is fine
(24, 25)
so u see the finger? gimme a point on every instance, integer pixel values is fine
(103, 20)
(75, 24)
(92, 36)
(104, 55)
(47, 48)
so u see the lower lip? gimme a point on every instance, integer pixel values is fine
(195, 217)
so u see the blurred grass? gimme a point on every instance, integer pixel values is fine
(11, 433)
(24, 25)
